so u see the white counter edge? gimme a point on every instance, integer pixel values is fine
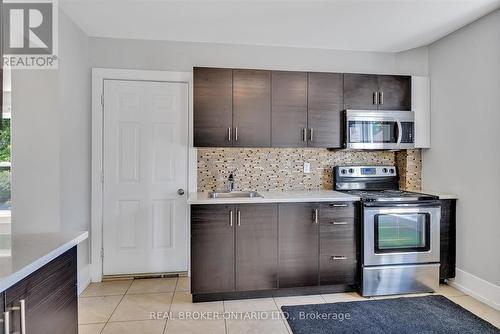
(19, 275)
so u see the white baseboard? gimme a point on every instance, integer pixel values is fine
(83, 279)
(477, 288)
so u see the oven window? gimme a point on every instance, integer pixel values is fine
(395, 233)
(373, 132)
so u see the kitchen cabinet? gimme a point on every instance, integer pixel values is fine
(2, 315)
(338, 243)
(256, 247)
(251, 108)
(289, 109)
(213, 95)
(448, 239)
(298, 244)
(377, 92)
(324, 109)
(212, 248)
(234, 247)
(46, 301)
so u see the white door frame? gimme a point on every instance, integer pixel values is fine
(98, 77)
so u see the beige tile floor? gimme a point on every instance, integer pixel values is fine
(124, 307)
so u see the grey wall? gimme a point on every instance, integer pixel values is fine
(51, 142)
(465, 154)
(182, 56)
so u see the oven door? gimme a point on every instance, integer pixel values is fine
(401, 233)
(379, 130)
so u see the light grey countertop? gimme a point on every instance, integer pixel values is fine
(277, 197)
(26, 253)
(441, 195)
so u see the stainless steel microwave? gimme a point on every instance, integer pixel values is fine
(379, 130)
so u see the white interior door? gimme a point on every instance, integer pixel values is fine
(145, 163)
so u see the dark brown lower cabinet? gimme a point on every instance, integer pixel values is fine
(257, 250)
(2, 310)
(448, 239)
(256, 247)
(298, 245)
(212, 248)
(47, 298)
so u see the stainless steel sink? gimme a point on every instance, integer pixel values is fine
(234, 194)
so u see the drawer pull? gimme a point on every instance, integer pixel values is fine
(339, 223)
(339, 205)
(22, 302)
(335, 257)
(6, 324)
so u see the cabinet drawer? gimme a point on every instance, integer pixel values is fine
(332, 211)
(338, 269)
(338, 239)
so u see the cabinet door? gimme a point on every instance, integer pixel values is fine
(298, 245)
(325, 104)
(396, 90)
(2, 310)
(50, 295)
(212, 107)
(448, 239)
(257, 247)
(252, 108)
(289, 109)
(212, 248)
(359, 90)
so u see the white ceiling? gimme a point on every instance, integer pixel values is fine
(365, 25)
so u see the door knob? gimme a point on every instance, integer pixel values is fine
(180, 192)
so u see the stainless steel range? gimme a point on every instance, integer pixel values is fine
(400, 248)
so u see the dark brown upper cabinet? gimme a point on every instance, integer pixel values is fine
(289, 109)
(372, 92)
(325, 105)
(251, 108)
(213, 95)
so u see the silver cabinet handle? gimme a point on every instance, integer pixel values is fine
(231, 218)
(23, 316)
(381, 98)
(311, 132)
(229, 134)
(236, 134)
(239, 217)
(335, 258)
(316, 216)
(339, 223)
(339, 205)
(6, 322)
(375, 97)
(304, 134)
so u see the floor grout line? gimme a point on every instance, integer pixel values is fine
(170, 306)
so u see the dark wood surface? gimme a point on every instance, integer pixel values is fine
(397, 92)
(51, 298)
(2, 310)
(358, 91)
(212, 106)
(257, 247)
(298, 245)
(289, 109)
(212, 248)
(448, 239)
(338, 271)
(325, 104)
(252, 108)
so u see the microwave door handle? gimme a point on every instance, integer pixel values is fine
(400, 132)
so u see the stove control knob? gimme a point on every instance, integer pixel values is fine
(351, 170)
(384, 170)
(343, 171)
(391, 171)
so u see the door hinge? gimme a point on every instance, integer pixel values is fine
(102, 176)
(102, 253)
(102, 101)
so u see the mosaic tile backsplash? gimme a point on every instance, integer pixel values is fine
(281, 169)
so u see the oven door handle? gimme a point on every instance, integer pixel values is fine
(419, 204)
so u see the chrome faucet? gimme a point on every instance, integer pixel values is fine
(231, 182)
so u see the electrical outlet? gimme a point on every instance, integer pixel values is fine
(307, 167)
